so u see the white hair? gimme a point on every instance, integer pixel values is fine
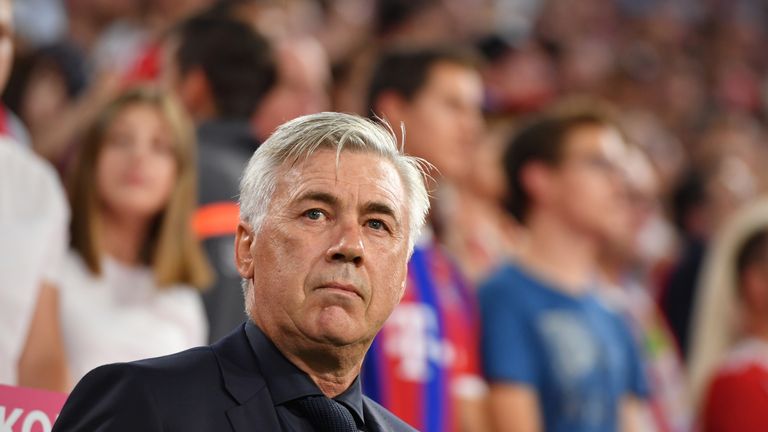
(303, 136)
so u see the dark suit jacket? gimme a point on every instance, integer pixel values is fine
(214, 388)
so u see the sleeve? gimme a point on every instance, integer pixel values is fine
(111, 398)
(507, 342)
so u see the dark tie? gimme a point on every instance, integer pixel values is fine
(326, 414)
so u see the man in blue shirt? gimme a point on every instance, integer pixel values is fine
(556, 358)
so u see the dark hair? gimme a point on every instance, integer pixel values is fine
(753, 250)
(63, 58)
(689, 194)
(542, 140)
(406, 72)
(391, 14)
(237, 61)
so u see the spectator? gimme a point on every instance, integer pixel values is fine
(728, 369)
(627, 269)
(704, 200)
(424, 366)
(126, 286)
(303, 81)
(33, 221)
(557, 359)
(221, 70)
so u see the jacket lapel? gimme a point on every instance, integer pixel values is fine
(256, 414)
(245, 383)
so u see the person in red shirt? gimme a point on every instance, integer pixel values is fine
(734, 396)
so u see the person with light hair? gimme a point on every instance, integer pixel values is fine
(329, 210)
(129, 285)
(729, 364)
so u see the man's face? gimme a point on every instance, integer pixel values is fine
(589, 188)
(301, 87)
(329, 262)
(6, 41)
(443, 122)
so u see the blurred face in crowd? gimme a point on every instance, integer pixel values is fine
(587, 188)
(136, 167)
(641, 209)
(301, 88)
(335, 241)
(45, 97)
(6, 41)
(443, 121)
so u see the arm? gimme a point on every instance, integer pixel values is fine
(631, 412)
(471, 402)
(514, 408)
(111, 398)
(510, 360)
(43, 361)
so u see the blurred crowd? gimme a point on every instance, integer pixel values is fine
(596, 256)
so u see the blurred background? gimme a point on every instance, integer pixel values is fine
(686, 82)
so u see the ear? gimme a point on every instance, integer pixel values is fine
(402, 287)
(537, 179)
(391, 107)
(244, 238)
(195, 92)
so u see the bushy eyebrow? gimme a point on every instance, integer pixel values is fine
(380, 208)
(322, 197)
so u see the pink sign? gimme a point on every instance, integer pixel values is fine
(28, 410)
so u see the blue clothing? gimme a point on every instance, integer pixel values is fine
(576, 354)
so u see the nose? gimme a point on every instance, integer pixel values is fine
(347, 245)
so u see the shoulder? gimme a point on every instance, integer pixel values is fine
(174, 369)
(384, 418)
(506, 286)
(32, 184)
(139, 395)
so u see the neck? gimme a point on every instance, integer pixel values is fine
(562, 255)
(332, 368)
(123, 238)
(612, 267)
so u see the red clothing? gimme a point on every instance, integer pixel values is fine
(737, 398)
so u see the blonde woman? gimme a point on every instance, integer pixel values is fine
(729, 365)
(126, 289)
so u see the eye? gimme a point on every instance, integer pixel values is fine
(314, 214)
(376, 224)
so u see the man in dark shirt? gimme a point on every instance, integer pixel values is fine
(221, 70)
(329, 211)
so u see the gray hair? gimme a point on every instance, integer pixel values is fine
(303, 136)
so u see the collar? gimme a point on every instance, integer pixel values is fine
(287, 382)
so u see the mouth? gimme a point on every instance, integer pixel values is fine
(341, 288)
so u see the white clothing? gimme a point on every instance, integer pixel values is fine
(121, 315)
(34, 218)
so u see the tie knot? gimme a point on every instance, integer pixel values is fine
(327, 414)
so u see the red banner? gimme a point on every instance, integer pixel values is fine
(28, 410)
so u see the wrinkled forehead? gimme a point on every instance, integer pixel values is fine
(370, 172)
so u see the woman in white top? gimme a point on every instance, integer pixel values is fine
(126, 289)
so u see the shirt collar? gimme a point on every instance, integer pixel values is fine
(287, 382)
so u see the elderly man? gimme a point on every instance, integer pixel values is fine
(329, 212)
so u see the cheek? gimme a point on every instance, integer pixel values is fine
(108, 167)
(165, 171)
(390, 282)
(279, 264)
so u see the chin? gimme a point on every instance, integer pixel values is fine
(338, 328)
